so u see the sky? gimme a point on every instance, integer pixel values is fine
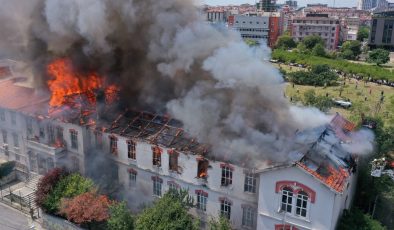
(338, 3)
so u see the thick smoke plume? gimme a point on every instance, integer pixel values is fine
(166, 59)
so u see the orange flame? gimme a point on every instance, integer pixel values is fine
(66, 82)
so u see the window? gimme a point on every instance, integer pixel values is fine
(29, 126)
(2, 115)
(51, 134)
(287, 199)
(301, 204)
(98, 140)
(113, 145)
(16, 139)
(227, 176)
(202, 168)
(225, 208)
(387, 31)
(131, 151)
(17, 157)
(156, 156)
(173, 161)
(202, 198)
(172, 185)
(4, 133)
(250, 183)
(157, 184)
(74, 139)
(42, 133)
(132, 177)
(59, 134)
(13, 118)
(248, 214)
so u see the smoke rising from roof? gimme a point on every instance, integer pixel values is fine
(165, 58)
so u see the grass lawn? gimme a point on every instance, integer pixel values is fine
(356, 92)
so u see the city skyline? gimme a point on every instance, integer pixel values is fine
(347, 3)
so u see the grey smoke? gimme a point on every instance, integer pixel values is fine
(167, 59)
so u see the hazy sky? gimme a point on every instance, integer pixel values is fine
(348, 3)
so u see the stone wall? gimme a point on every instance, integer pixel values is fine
(55, 223)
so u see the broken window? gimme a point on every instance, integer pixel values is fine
(74, 138)
(173, 161)
(29, 126)
(59, 134)
(4, 133)
(301, 205)
(202, 199)
(42, 133)
(98, 140)
(131, 150)
(113, 145)
(202, 168)
(156, 159)
(225, 208)
(227, 175)
(287, 199)
(250, 182)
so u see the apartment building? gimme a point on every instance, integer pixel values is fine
(328, 28)
(251, 26)
(149, 154)
(382, 33)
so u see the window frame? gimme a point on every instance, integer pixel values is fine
(173, 157)
(113, 145)
(287, 193)
(225, 208)
(248, 215)
(132, 178)
(4, 135)
(74, 139)
(227, 176)
(131, 150)
(156, 156)
(15, 138)
(302, 204)
(157, 187)
(250, 183)
(201, 200)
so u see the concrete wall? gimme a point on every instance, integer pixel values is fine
(55, 223)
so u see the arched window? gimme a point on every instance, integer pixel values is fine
(301, 204)
(287, 199)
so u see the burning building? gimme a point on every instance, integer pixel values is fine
(146, 95)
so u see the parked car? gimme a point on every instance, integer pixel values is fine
(343, 104)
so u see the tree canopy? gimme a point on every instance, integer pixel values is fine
(221, 224)
(319, 50)
(47, 184)
(379, 56)
(321, 102)
(355, 219)
(320, 75)
(168, 213)
(351, 49)
(311, 41)
(285, 42)
(363, 33)
(120, 217)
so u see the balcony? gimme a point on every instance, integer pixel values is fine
(54, 149)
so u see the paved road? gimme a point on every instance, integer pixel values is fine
(11, 219)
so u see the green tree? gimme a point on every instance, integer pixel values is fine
(363, 33)
(354, 47)
(355, 219)
(168, 213)
(301, 48)
(120, 217)
(67, 187)
(379, 56)
(321, 102)
(221, 224)
(311, 41)
(319, 50)
(285, 42)
(251, 42)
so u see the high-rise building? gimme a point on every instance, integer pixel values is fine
(382, 30)
(267, 5)
(367, 4)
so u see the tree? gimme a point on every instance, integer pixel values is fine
(321, 102)
(347, 54)
(251, 42)
(221, 224)
(285, 42)
(47, 184)
(363, 33)
(319, 50)
(301, 48)
(354, 47)
(355, 219)
(68, 187)
(120, 217)
(6, 168)
(169, 212)
(379, 56)
(311, 41)
(320, 75)
(86, 209)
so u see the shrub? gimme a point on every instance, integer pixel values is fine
(6, 168)
(47, 184)
(120, 217)
(379, 56)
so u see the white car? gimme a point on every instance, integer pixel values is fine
(344, 104)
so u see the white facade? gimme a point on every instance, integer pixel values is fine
(249, 196)
(251, 27)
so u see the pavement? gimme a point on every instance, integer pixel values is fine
(12, 219)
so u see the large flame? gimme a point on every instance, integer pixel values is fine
(65, 82)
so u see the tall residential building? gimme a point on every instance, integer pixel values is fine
(253, 27)
(367, 4)
(291, 3)
(328, 28)
(382, 32)
(267, 5)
